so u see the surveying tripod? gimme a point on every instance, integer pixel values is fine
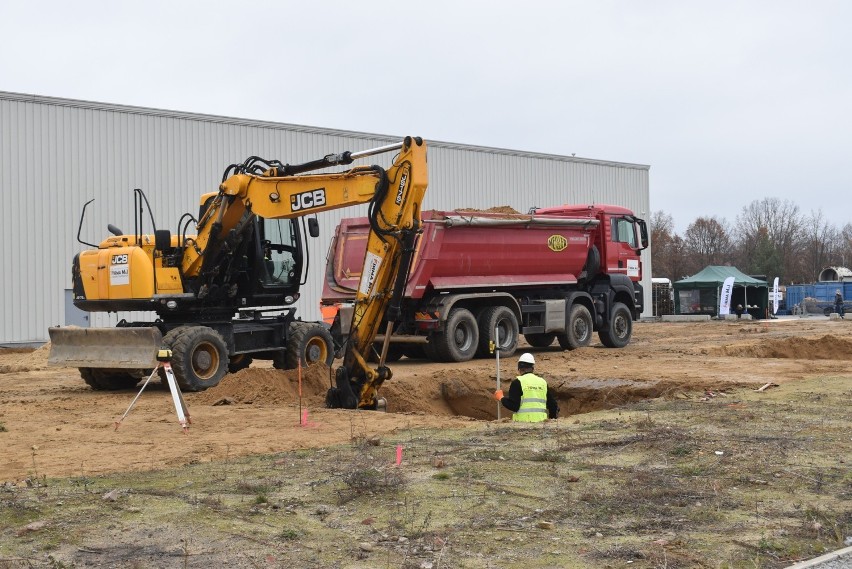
(164, 356)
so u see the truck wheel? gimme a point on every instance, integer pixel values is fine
(108, 379)
(239, 362)
(580, 328)
(199, 358)
(460, 338)
(502, 318)
(827, 311)
(617, 334)
(540, 340)
(309, 344)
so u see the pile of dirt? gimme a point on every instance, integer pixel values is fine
(23, 360)
(496, 209)
(829, 347)
(268, 386)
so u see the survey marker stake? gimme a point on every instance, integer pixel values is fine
(163, 358)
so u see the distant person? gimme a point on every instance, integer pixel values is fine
(529, 397)
(838, 302)
(739, 310)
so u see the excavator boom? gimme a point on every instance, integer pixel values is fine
(395, 198)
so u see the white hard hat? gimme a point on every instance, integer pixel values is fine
(526, 358)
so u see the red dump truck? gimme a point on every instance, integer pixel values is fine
(557, 273)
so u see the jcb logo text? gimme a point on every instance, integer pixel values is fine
(308, 200)
(119, 259)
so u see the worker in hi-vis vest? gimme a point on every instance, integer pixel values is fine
(529, 398)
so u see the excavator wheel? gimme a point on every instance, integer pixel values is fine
(108, 379)
(199, 357)
(168, 341)
(309, 343)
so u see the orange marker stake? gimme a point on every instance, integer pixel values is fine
(299, 375)
(398, 455)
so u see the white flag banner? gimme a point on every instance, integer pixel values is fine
(775, 296)
(725, 297)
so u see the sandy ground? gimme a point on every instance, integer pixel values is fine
(52, 424)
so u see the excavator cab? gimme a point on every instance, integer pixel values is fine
(280, 246)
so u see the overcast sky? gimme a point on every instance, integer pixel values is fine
(728, 102)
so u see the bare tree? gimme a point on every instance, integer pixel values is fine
(844, 253)
(820, 241)
(666, 247)
(769, 234)
(708, 242)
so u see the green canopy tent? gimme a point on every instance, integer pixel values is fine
(699, 294)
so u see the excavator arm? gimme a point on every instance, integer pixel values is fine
(280, 191)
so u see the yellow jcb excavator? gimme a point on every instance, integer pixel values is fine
(224, 296)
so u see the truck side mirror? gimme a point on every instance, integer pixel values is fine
(313, 227)
(162, 239)
(643, 233)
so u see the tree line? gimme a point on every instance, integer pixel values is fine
(769, 237)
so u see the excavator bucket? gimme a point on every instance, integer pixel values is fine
(117, 348)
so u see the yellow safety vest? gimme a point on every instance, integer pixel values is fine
(533, 407)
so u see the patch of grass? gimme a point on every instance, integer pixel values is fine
(211, 501)
(547, 455)
(407, 519)
(467, 473)
(693, 469)
(680, 451)
(289, 534)
(3, 428)
(252, 487)
(820, 522)
(361, 476)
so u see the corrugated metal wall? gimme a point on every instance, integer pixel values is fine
(56, 154)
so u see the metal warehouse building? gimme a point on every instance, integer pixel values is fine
(57, 154)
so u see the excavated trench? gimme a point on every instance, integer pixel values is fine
(447, 393)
